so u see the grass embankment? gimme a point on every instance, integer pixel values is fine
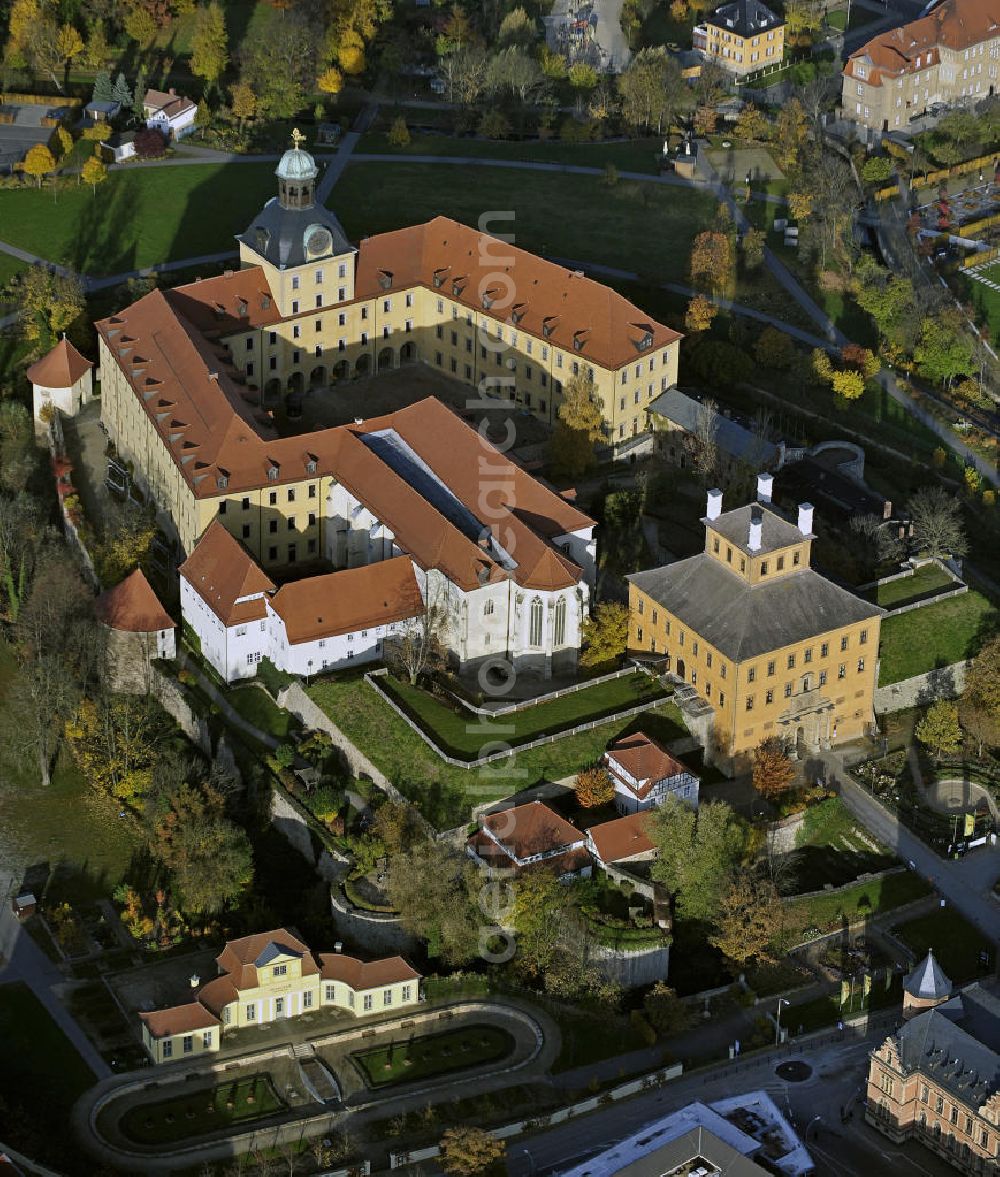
(256, 706)
(461, 733)
(433, 1054)
(956, 943)
(141, 215)
(928, 580)
(444, 793)
(557, 215)
(827, 912)
(935, 635)
(832, 848)
(632, 155)
(192, 1114)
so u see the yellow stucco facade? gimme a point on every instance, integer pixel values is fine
(813, 690)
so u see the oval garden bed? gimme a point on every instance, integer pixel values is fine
(190, 1114)
(433, 1054)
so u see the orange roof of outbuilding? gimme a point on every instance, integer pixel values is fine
(62, 367)
(223, 572)
(179, 1019)
(645, 760)
(132, 606)
(621, 838)
(349, 600)
(533, 828)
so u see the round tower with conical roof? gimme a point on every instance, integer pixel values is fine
(925, 987)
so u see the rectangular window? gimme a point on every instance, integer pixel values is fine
(863, 638)
(249, 369)
(791, 661)
(843, 643)
(206, 1040)
(769, 696)
(168, 1048)
(861, 665)
(296, 331)
(279, 970)
(749, 702)
(781, 563)
(788, 690)
(751, 673)
(295, 281)
(822, 678)
(824, 650)
(331, 992)
(252, 1012)
(387, 997)
(770, 670)
(307, 1000)
(763, 568)
(246, 530)
(405, 993)
(295, 306)
(319, 300)
(367, 1004)
(842, 670)
(722, 698)
(222, 507)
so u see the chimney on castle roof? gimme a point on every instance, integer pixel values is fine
(756, 528)
(714, 508)
(765, 486)
(806, 518)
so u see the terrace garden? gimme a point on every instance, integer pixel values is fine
(934, 635)
(193, 1113)
(927, 581)
(433, 1054)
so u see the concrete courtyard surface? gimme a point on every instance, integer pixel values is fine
(281, 1048)
(23, 133)
(733, 163)
(158, 984)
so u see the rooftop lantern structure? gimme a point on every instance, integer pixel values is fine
(297, 174)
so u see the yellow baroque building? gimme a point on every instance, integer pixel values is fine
(771, 646)
(270, 976)
(189, 375)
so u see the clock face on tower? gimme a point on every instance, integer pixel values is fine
(319, 242)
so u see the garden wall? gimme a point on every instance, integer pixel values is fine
(294, 699)
(523, 704)
(944, 682)
(289, 822)
(172, 699)
(632, 968)
(377, 932)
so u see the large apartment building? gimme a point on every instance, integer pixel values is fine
(773, 647)
(951, 54)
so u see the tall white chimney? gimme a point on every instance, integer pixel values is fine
(765, 484)
(806, 518)
(756, 528)
(714, 508)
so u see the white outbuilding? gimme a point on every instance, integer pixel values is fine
(63, 380)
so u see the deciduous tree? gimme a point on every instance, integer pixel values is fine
(751, 124)
(594, 787)
(94, 172)
(749, 919)
(774, 349)
(467, 1150)
(667, 1014)
(982, 684)
(579, 426)
(652, 90)
(434, 888)
(210, 43)
(697, 853)
(773, 771)
(700, 314)
(937, 523)
(712, 260)
(605, 634)
(39, 162)
(422, 646)
(939, 729)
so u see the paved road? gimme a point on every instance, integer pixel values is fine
(965, 884)
(22, 960)
(335, 168)
(839, 1072)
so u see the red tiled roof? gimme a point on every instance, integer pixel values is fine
(218, 993)
(133, 606)
(530, 829)
(349, 600)
(171, 104)
(569, 862)
(62, 367)
(954, 24)
(221, 571)
(179, 1019)
(239, 300)
(644, 759)
(360, 975)
(622, 838)
(537, 297)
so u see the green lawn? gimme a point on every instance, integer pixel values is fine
(632, 226)
(257, 707)
(826, 1011)
(433, 1054)
(463, 734)
(444, 794)
(41, 1077)
(9, 266)
(827, 912)
(928, 580)
(633, 155)
(985, 299)
(185, 1117)
(588, 1037)
(140, 215)
(935, 635)
(956, 943)
(832, 848)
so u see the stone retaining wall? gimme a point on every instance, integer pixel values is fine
(945, 682)
(632, 968)
(379, 932)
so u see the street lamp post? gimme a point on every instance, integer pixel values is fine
(777, 1021)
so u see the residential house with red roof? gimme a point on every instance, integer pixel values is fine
(169, 113)
(529, 837)
(644, 773)
(269, 976)
(949, 55)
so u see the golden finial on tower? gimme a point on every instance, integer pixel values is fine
(297, 138)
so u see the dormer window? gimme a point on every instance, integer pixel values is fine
(487, 302)
(311, 466)
(244, 308)
(438, 279)
(517, 313)
(272, 473)
(579, 340)
(222, 481)
(457, 287)
(384, 279)
(548, 326)
(861, 71)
